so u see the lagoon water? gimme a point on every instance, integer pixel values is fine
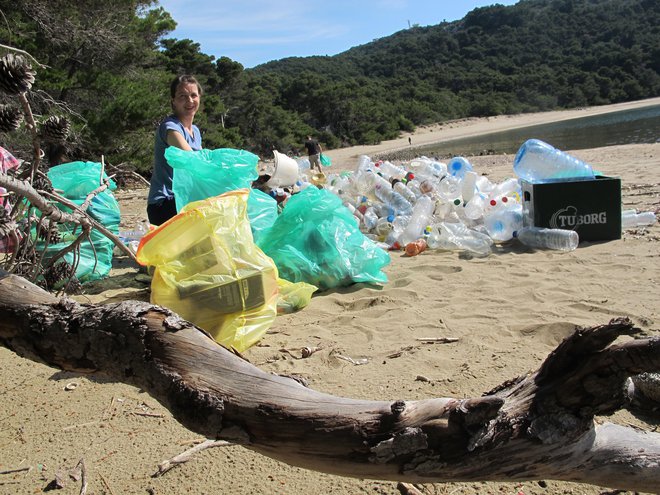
(641, 125)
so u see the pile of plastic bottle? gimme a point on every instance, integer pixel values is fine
(447, 205)
(428, 203)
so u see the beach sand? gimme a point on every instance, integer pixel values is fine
(508, 312)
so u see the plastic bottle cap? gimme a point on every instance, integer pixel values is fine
(390, 218)
(505, 199)
(457, 201)
(493, 202)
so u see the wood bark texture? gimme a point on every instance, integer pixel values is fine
(538, 426)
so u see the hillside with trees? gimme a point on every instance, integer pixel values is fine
(107, 67)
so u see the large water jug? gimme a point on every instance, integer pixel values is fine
(537, 161)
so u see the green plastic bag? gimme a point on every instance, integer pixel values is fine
(206, 173)
(77, 180)
(325, 160)
(315, 240)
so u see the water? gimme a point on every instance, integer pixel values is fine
(636, 126)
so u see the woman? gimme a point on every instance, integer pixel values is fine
(176, 130)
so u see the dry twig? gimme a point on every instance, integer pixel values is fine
(184, 457)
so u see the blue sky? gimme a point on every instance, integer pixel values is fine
(256, 31)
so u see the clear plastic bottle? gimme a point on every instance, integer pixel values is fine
(370, 219)
(132, 235)
(537, 161)
(303, 165)
(405, 191)
(425, 168)
(421, 218)
(538, 237)
(389, 170)
(468, 185)
(398, 204)
(631, 219)
(508, 187)
(398, 225)
(449, 191)
(475, 208)
(456, 236)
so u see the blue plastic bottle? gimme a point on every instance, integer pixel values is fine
(537, 161)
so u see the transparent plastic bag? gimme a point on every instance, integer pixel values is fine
(315, 240)
(209, 270)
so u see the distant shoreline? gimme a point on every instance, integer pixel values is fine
(346, 158)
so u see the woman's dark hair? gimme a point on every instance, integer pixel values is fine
(184, 79)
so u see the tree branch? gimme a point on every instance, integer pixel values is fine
(534, 427)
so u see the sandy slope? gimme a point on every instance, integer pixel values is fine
(508, 311)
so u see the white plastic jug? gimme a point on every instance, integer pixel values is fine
(285, 172)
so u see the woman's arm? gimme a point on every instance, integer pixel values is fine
(175, 138)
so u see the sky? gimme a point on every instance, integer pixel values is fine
(253, 32)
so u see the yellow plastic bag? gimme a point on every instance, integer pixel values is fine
(209, 270)
(293, 296)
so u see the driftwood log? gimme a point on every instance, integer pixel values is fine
(538, 426)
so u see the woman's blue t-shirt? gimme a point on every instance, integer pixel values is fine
(161, 180)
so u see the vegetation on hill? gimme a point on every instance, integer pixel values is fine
(108, 66)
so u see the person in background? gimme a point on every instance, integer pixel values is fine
(314, 153)
(176, 130)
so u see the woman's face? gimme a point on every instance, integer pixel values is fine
(186, 100)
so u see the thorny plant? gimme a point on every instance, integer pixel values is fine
(31, 217)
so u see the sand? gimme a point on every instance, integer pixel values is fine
(508, 311)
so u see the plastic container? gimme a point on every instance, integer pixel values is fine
(538, 237)
(286, 171)
(631, 219)
(384, 226)
(537, 161)
(501, 224)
